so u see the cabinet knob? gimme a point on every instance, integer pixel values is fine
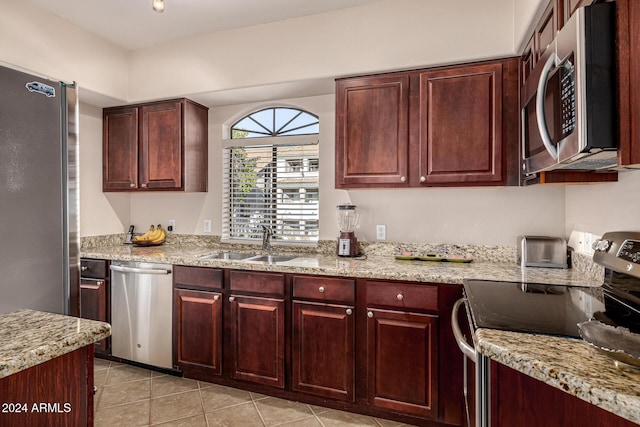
(369, 314)
(132, 185)
(321, 289)
(423, 178)
(100, 283)
(216, 297)
(400, 297)
(143, 185)
(231, 299)
(84, 268)
(403, 178)
(349, 312)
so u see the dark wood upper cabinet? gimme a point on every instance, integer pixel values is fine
(155, 146)
(460, 135)
(448, 126)
(372, 131)
(546, 29)
(628, 52)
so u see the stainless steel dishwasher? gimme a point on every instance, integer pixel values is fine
(141, 304)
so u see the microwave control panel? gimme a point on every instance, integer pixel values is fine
(567, 97)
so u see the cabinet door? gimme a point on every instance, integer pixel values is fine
(120, 149)
(323, 349)
(257, 339)
(93, 304)
(460, 133)
(372, 131)
(161, 146)
(402, 361)
(198, 325)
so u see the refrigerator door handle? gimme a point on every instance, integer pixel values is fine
(139, 270)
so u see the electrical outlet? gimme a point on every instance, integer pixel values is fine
(207, 226)
(172, 225)
(381, 232)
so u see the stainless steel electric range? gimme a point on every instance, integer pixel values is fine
(554, 309)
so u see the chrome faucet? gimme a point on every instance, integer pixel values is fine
(266, 238)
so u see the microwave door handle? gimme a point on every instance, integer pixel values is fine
(540, 117)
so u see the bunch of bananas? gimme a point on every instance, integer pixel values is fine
(153, 236)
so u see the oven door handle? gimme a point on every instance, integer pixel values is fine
(468, 350)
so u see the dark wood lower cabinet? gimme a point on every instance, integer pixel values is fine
(198, 325)
(323, 349)
(520, 400)
(56, 393)
(257, 339)
(402, 361)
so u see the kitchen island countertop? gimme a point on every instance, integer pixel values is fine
(568, 364)
(374, 266)
(28, 338)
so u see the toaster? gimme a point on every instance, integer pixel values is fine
(542, 251)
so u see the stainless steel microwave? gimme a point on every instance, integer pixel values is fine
(569, 103)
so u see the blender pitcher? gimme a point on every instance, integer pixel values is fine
(347, 221)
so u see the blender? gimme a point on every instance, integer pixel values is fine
(347, 220)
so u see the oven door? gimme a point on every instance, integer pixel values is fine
(476, 386)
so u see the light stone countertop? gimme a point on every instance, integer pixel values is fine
(28, 338)
(568, 364)
(374, 266)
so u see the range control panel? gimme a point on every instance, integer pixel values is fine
(619, 251)
(630, 251)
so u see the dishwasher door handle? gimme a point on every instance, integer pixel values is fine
(122, 269)
(468, 350)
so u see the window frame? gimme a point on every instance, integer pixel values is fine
(275, 141)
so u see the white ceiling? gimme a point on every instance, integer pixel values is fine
(132, 24)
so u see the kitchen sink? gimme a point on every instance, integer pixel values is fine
(271, 259)
(232, 256)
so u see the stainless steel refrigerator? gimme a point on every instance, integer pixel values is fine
(39, 221)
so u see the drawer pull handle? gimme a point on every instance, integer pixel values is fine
(231, 299)
(349, 312)
(84, 268)
(400, 297)
(369, 314)
(216, 297)
(321, 289)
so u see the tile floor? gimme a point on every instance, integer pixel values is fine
(131, 396)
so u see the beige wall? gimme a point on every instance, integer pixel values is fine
(39, 42)
(474, 215)
(386, 35)
(395, 34)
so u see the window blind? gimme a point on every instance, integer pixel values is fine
(275, 185)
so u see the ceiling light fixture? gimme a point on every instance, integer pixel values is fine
(158, 5)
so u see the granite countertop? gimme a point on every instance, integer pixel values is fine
(374, 266)
(28, 338)
(568, 364)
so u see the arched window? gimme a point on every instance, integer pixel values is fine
(271, 176)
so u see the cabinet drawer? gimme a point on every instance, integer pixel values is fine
(94, 268)
(197, 277)
(324, 288)
(402, 295)
(257, 282)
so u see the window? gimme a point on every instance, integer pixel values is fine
(271, 175)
